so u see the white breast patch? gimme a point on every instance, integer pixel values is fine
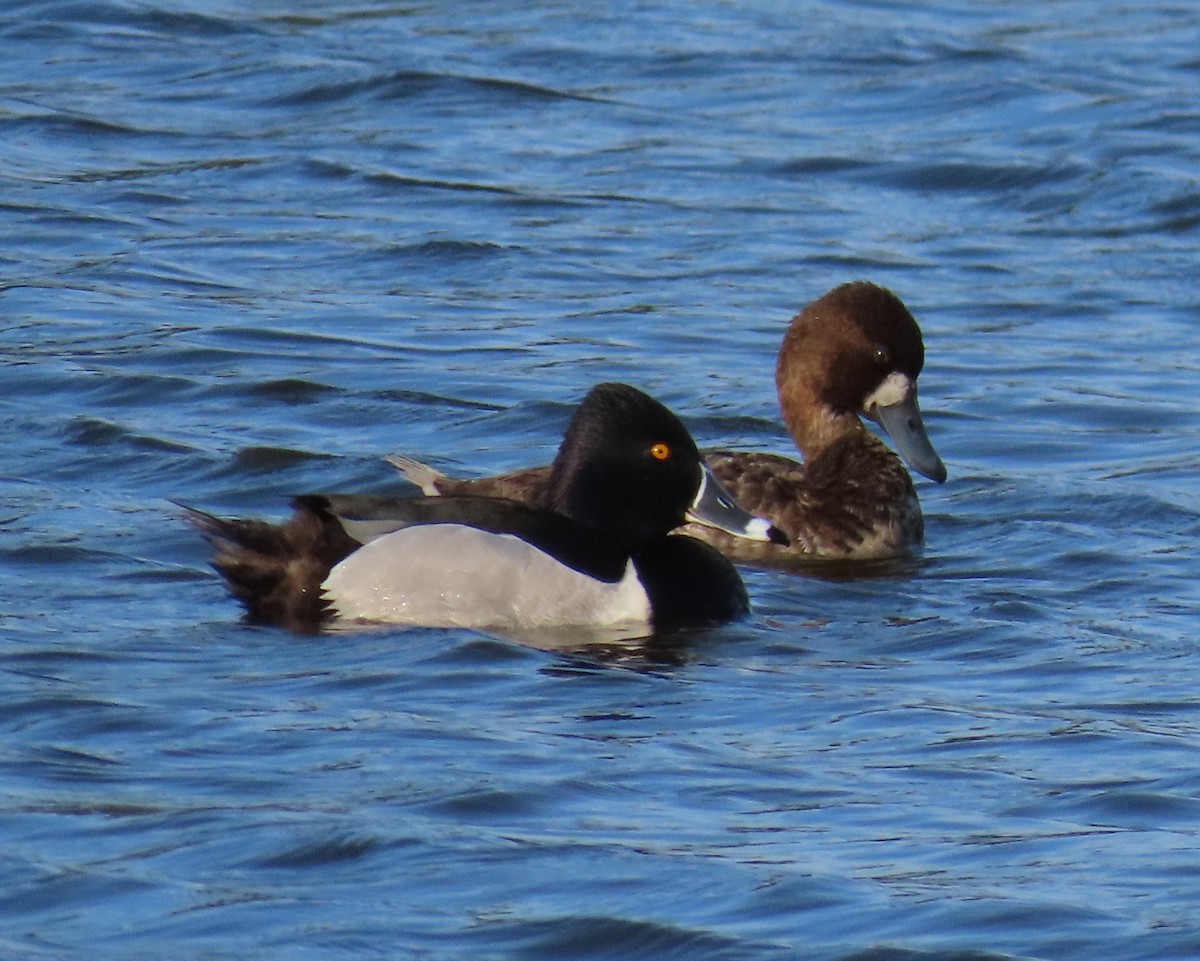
(449, 575)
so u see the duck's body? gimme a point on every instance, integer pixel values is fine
(856, 351)
(627, 474)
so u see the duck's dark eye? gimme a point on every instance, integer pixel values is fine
(882, 356)
(660, 451)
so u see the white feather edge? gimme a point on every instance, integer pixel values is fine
(422, 475)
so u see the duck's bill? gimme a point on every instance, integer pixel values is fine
(902, 420)
(715, 507)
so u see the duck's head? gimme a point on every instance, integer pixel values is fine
(857, 351)
(627, 465)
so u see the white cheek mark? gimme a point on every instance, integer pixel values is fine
(895, 389)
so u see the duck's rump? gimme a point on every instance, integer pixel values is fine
(276, 570)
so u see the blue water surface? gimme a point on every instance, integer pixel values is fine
(251, 248)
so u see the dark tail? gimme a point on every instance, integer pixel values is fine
(276, 570)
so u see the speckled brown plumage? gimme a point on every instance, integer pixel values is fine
(855, 501)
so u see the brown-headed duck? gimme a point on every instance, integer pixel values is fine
(856, 351)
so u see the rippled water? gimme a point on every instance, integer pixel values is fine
(250, 248)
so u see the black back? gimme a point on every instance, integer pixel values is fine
(579, 546)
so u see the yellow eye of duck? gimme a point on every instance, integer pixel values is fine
(660, 451)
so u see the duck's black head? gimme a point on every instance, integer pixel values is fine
(626, 465)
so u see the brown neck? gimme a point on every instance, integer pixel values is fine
(813, 422)
(814, 425)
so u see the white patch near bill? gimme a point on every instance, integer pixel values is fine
(894, 389)
(449, 575)
(759, 529)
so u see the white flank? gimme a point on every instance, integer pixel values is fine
(449, 575)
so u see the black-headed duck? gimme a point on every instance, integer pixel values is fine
(598, 555)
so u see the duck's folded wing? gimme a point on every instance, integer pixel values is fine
(366, 518)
